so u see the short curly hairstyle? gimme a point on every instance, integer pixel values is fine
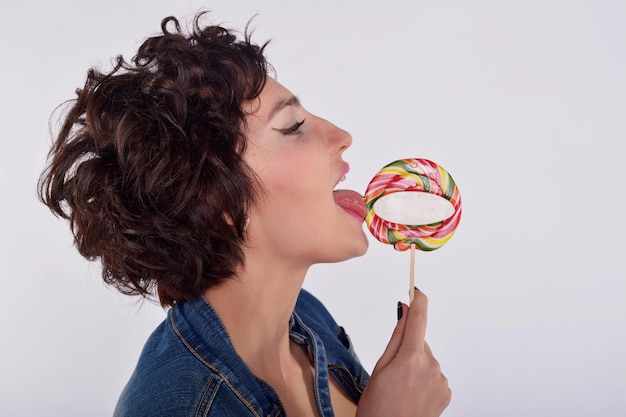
(147, 164)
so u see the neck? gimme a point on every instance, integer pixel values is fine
(255, 307)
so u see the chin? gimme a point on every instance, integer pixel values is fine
(364, 246)
(358, 247)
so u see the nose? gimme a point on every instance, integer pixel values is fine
(338, 139)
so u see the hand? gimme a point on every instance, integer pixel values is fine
(407, 380)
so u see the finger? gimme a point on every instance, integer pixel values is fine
(396, 339)
(416, 321)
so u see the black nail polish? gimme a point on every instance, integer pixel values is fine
(415, 288)
(399, 310)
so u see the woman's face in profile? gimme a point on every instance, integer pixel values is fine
(298, 158)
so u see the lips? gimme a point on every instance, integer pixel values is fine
(352, 202)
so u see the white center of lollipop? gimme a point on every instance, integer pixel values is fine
(414, 208)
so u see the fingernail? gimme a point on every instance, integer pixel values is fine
(415, 288)
(399, 310)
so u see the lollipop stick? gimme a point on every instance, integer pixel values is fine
(412, 274)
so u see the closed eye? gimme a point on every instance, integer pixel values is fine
(292, 130)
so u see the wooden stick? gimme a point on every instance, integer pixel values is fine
(412, 274)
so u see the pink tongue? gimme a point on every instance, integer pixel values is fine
(351, 201)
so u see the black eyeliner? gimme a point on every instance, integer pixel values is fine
(292, 130)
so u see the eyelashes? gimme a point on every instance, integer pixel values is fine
(292, 130)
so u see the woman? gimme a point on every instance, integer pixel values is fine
(192, 174)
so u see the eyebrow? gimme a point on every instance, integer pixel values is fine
(291, 101)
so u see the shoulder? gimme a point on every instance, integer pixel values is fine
(170, 381)
(165, 382)
(183, 394)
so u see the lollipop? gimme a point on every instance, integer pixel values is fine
(413, 203)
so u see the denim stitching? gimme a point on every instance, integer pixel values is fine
(210, 402)
(199, 407)
(350, 377)
(212, 367)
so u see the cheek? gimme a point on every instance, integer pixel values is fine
(296, 174)
(296, 200)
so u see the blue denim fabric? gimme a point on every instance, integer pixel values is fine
(189, 367)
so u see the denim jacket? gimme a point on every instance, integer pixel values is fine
(189, 367)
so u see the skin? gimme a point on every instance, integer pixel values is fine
(298, 220)
(407, 379)
(294, 224)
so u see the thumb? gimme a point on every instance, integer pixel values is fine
(396, 338)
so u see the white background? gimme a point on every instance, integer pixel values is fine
(524, 102)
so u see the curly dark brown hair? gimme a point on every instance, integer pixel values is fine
(147, 163)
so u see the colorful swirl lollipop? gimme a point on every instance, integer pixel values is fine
(413, 203)
(408, 176)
